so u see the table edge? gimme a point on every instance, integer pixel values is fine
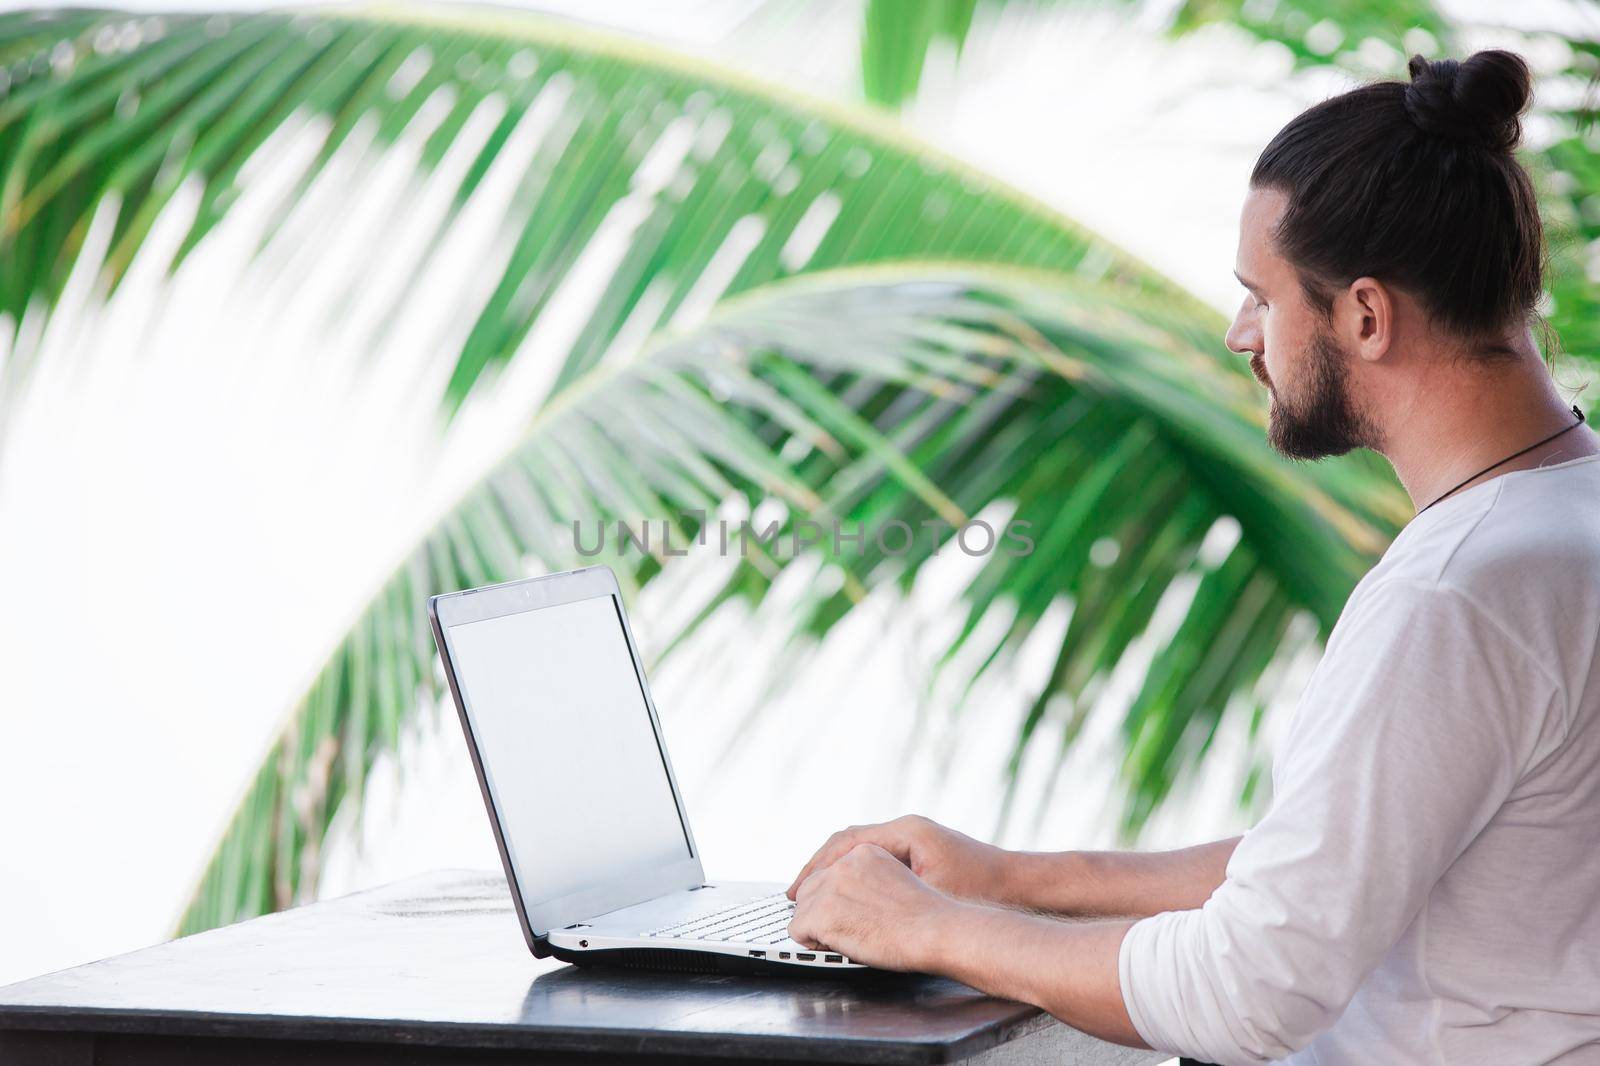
(509, 1036)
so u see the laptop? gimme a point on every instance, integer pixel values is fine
(586, 812)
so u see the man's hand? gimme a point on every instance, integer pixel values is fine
(948, 861)
(869, 906)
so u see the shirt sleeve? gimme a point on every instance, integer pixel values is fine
(1419, 721)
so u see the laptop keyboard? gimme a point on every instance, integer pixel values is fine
(756, 921)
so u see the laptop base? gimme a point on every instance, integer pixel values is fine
(681, 960)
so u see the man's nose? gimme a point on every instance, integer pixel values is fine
(1243, 336)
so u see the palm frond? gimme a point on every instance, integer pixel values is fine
(955, 347)
(676, 183)
(1113, 436)
(895, 38)
(910, 393)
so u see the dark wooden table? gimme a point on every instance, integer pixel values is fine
(434, 970)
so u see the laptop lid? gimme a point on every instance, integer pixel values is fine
(567, 746)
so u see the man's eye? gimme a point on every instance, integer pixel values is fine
(1260, 305)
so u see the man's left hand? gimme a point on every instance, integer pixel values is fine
(869, 906)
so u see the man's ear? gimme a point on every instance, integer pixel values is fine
(1364, 318)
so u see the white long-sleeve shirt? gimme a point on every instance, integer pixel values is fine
(1425, 887)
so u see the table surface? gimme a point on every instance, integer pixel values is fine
(439, 960)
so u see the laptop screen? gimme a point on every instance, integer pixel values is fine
(567, 746)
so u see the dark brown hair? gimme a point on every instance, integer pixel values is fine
(1416, 185)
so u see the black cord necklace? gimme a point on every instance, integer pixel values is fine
(1514, 455)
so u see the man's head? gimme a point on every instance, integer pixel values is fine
(1387, 229)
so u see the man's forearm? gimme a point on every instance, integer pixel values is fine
(1115, 883)
(1066, 968)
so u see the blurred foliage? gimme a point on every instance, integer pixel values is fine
(1565, 169)
(1365, 38)
(895, 40)
(1315, 31)
(893, 336)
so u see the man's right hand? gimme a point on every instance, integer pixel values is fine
(951, 862)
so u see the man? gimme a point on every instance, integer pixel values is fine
(1426, 885)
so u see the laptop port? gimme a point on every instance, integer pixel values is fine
(758, 954)
(805, 956)
(833, 958)
(783, 954)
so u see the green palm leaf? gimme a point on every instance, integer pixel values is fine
(1109, 431)
(897, 35)
(979, 363)
(691, 167)
(960, 348)
(895, 38)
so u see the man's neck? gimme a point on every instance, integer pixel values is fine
(1463, 418)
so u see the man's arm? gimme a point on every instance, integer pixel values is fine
(1019, 957)
(1121, 884)
(1078, 883)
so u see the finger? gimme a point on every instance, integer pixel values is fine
(888, 840)
(805, 871)
(890, 836)
(800, 934)
(807, 888)
(825, 856)
(804, 929)
(836, 845)
(801, 922)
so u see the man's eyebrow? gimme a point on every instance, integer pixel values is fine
(1246, 282)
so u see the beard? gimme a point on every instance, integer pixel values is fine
(1324, 421)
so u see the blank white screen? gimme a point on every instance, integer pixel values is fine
(566, 743)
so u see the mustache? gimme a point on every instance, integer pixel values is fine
(1258, 367)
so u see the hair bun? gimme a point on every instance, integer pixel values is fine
(1476, 101)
